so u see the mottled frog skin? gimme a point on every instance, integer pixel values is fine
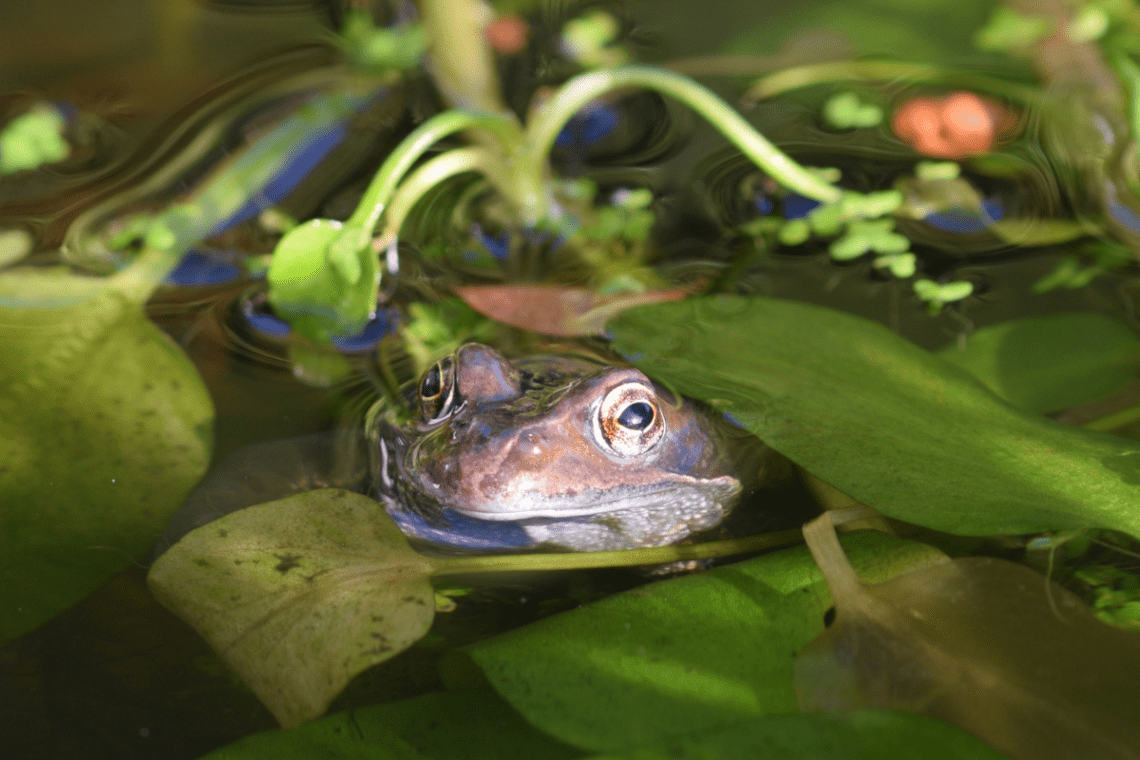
(547, 451)
(551, 451)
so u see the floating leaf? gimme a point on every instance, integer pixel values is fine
(299, 595)
(104, 427)
(988, 645)
(467, 725)
(676, 657)
(1043, 364)
(555, 309)
(885, 421)
(845, 110)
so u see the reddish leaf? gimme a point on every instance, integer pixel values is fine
(556, 309)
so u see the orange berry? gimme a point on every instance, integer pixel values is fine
(507, 34)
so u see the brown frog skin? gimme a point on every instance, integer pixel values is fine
(550, 451)
(546, 451)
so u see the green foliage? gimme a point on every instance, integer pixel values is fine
(468, 725)
(1008, 30)
(1023, 664)
(588, 40)
(1076, 271)
(324, 279)
(936, 295)
(845, 110)
(885, 422)
(299, 595)
(436, 330)
(1045, 364)
(32, 140)
(376, 48)
(857, 735)
(864, 236)
(1115, 593)
(104, 427)
(675, 658)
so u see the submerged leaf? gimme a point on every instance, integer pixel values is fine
(1044, 364)
(299, 595)
(988, 645)
(555, 309)
(884, 421)
(104, 427)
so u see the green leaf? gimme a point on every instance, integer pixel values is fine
(324, 279)
(467, 725)
(858, 735)
(299, 595)
(32, 140)
(1023, 664)
(104, 427)
(1044, 364)
(1009, 30)
(884, 421)
(845, 110)
(680, 656)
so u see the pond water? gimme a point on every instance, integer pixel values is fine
(119, 676)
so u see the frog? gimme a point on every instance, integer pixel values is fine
(545, 451)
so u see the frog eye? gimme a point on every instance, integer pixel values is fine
(437, 390)
(629, 420)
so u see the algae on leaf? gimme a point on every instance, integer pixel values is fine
(299, 595)
(104, 426)
(988, 645)
(884, 421)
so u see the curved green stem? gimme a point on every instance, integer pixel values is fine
(149, 269)
(579, 91)
(412, 147)
(656, 555)
(804, 76)
(431, 174)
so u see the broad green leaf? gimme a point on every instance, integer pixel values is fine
(465, 725)
(985, 644)
(676, 657)
(104, 427)
(859, 735)
(299, 595)
(1043, 364)
(884, 421)
(324, 279)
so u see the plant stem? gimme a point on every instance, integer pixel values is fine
(431, 174)
(462, 63)
(411, 148)
(579, 91)
(804, 76)
(623, 558)
(139, 280)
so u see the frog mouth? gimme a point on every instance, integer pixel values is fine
(683, 496)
